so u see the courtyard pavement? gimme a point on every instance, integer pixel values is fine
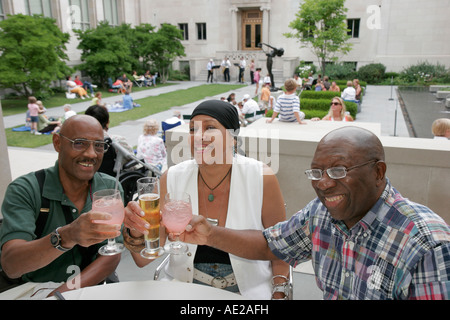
(376, 107)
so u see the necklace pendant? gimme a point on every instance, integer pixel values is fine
(211, 197)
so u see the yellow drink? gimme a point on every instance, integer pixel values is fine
(149, 203)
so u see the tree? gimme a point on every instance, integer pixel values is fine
(164, 46)
(142, 35)
(32, 54)
(321, 25)
(106, 51)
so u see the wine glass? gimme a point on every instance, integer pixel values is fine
(176, 215)
(148, 192)
(109, 201)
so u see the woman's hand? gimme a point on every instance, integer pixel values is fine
(133, 219)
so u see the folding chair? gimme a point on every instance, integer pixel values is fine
(137, 82)
(166, 126)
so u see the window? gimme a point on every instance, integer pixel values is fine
(110, 11)
(353, 27)
(309, 33)
(201, 31)
(79, 14)
(2, 12)
(184, 28)
(43, 7)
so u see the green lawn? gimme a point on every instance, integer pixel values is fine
(149, 106)
(19, 105)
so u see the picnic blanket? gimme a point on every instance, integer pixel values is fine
(117, 107)
(26, 128)
(21, 129)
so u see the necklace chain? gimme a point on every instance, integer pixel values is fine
(211, 196)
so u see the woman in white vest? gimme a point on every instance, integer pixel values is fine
(230, 190)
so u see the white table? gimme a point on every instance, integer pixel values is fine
(154, 290)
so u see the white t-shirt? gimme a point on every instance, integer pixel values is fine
(250, 106)
(349, 93)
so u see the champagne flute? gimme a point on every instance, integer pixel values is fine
(109, 201)
(148, 192)
(176, 215)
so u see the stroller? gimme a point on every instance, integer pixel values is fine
(130, 172)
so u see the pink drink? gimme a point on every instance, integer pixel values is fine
(111, 206)
(176, 215)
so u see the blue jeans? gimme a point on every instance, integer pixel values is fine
(216, 270)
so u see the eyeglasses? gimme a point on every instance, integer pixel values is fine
(83, 144)
(335, 103)
(334, 172)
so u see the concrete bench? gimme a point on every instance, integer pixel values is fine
(443, 94)
(436, 88)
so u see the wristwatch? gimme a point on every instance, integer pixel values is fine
(55, 240)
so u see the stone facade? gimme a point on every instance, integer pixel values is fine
(395, 33)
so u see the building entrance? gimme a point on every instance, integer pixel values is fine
(251, 29)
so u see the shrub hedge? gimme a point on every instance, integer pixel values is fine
(310, 94)
(319, 108)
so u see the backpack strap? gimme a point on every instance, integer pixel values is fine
(44, 211)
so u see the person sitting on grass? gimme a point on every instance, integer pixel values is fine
(128, 102)
(44, 124)
(74, 88)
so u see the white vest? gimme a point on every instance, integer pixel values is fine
(244, 212)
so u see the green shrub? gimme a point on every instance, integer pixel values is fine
(309, 114)
(340, 71)
(304, 69)
(425, 72)
(319, 108)
(310, 94)
(372, 73)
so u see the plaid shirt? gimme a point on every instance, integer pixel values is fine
(398, 250)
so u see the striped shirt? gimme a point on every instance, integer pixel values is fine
(398, 250)
(286, 105)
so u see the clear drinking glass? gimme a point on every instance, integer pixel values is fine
(176, 215)
(109, 201)
(148, 192)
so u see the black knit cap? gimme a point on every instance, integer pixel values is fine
(222, 111)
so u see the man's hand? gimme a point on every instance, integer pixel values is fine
(197, 231)
(88, 229)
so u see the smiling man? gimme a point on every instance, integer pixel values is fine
(47, 254)
(365, 240)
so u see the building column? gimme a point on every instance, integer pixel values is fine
(5, 169)
(266, 24)
(234, 28)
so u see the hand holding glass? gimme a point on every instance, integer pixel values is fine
(148, 192)
(109, 201)
(176, 215)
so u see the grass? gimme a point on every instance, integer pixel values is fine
(149, 106)
(19, 104)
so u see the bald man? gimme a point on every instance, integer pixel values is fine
(365, 240)
(69, 240)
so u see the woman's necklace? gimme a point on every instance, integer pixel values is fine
(212, 221)
(211, 195)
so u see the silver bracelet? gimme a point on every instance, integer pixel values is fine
(280, 287)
